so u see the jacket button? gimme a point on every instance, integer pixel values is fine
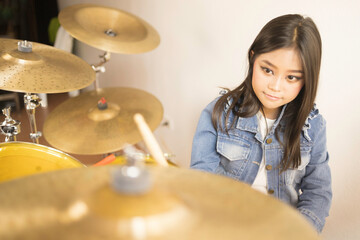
(269, 140)
(271, 191)
(268, 167)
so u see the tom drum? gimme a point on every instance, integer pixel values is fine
(18, 159)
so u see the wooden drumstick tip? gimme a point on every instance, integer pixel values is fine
(138, 118)
(150, 140)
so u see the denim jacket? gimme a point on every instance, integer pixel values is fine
(238, 155)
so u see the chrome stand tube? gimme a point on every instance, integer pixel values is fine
(100, 68)
(31, 103)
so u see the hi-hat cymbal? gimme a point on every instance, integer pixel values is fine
(181, 204)
(78, 126)
(43, 70)
(109, 29)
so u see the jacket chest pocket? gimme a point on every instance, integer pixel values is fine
(234, 154)
(294, 176)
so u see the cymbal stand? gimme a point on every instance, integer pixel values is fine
(100, 68)
(10, 127)
(31, 103)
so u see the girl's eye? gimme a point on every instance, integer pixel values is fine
(267, 70)
(293, 78)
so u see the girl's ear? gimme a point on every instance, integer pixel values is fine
(252, 53)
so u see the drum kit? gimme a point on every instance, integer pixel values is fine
(131, 200)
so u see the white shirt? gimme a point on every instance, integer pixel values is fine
(260, 182)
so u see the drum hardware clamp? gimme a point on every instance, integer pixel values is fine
(9, 127)
(99, 68)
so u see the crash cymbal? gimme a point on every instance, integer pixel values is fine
(43, 70)
(109, 29)
(180, 204)
(78, 126)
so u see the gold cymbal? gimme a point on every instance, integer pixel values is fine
(78, 126)
(109, 29)
(44, 70)
(181, 204)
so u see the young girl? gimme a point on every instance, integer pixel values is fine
(267, 132)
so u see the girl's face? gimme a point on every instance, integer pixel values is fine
(277, 79)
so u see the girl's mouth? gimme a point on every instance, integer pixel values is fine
(271, 97)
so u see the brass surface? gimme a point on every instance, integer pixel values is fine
(182, 204)
(44, 70)
(78, 126)
(128, 33)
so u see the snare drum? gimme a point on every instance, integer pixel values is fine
(18, 159)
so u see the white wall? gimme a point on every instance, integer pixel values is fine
(204, 45)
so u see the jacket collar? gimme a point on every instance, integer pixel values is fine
(250, 124)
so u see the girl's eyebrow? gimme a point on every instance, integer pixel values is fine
(273, 66)
(269, 63)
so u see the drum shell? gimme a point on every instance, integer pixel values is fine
(19, 159)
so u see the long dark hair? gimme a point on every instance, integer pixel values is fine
(287, 31)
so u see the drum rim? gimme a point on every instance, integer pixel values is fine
(42, 146)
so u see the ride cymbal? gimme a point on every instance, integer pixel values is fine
(43, 70)
(109, 29)
(80, 126)
(181, 204)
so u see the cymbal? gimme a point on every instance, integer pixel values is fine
(44, 70)
(109, 29)
(181, 204)
(78, 126)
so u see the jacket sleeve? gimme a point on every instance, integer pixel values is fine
(315, 200)
(204, 155)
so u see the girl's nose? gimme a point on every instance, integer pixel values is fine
(275, 83)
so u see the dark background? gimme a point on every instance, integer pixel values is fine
(27, 19)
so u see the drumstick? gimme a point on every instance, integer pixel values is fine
(150, 140)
